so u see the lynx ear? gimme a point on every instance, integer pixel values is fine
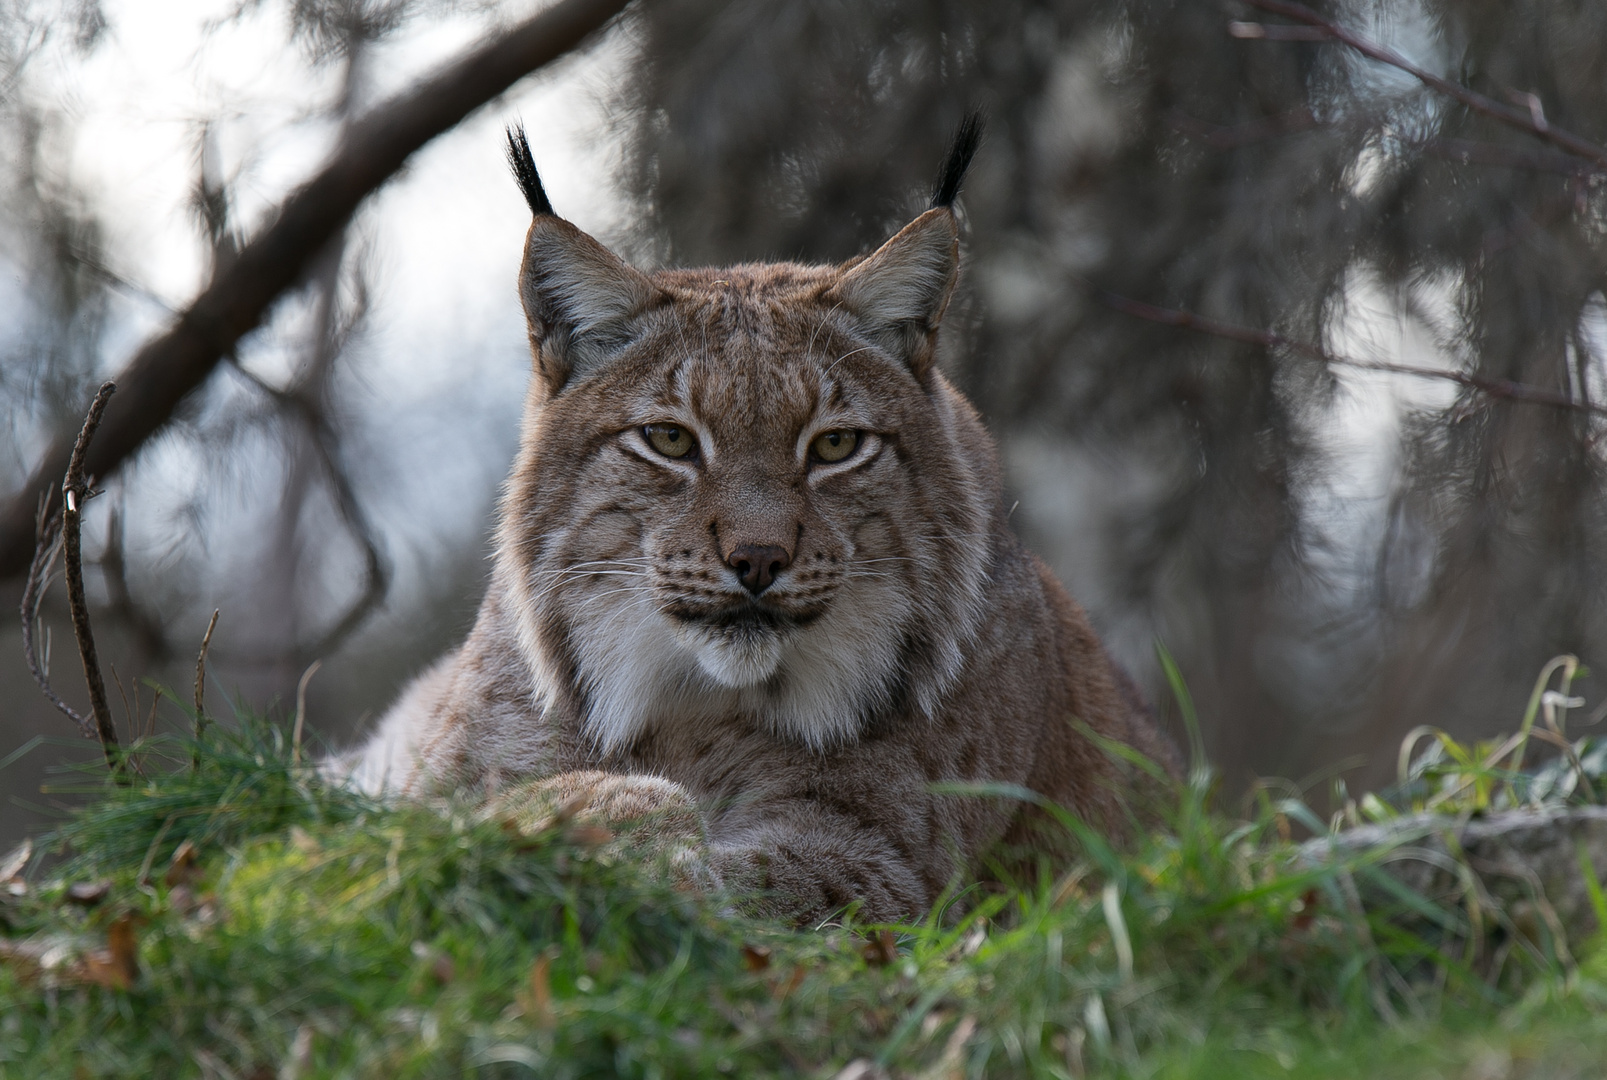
(579, 300)
(579, 297)
(901, 289)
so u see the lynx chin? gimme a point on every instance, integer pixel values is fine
(754, 576)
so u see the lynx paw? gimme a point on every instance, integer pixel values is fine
(645, 818)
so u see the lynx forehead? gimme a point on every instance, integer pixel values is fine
(753, 559)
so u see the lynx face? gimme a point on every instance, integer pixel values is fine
(739, 491)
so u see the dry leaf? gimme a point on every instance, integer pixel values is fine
(1308, 911)
(951, 1066)
(572, 806)
(541, 991)
(531, 839)
(443, 968)
(88, 893)
(781, 989)
(589, 835)
(755, 957)
(181, 870)
(441, 965)
(124, 948)
(117, 965)
(880, 950)
(30, 959)
(181, 899)
(15, 862)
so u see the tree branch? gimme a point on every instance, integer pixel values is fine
(169, 366)
(75, 493)
(1497, 388)
(200, 689)
(1531, 119)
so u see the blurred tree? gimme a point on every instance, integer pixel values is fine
(48, 235)
(1245, 165)
(259, 492)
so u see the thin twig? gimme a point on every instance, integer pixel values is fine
(47, 546)
(75, 491)
(150, 719)
(1498, 388)
(200, 688)
(1531, 119)
(301, 710)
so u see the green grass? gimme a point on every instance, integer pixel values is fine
(319, 934)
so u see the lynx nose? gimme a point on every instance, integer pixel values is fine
(758, 564)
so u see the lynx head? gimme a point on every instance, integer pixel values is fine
(745, 492)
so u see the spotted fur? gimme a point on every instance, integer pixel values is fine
(910, 640)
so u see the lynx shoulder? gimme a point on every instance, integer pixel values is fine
(754, 553)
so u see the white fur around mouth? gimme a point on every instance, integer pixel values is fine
(737, 657)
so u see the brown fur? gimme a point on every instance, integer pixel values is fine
(912, 641)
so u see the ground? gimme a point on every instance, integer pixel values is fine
(238, 918)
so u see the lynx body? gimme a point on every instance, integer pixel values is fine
(753, 558)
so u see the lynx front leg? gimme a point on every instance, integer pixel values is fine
(646, 818)
(806, 863)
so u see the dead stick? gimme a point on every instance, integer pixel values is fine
(200, 688)
(75, 492)
(301, 710)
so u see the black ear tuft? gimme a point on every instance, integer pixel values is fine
(524, 171)
(961, 151)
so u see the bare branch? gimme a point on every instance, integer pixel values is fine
(1531, 119)
(75, 493)
(169, 366)
(200, 688)
(47, 547)
(1504, 389)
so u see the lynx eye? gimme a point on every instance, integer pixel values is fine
(834, 445)
(671, 440)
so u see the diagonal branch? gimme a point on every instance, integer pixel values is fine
(1505, 389)
(172, 364)
(1531, 119)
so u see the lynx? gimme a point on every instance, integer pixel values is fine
(754, 571)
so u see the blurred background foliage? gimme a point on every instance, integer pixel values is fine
(1335, 553)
